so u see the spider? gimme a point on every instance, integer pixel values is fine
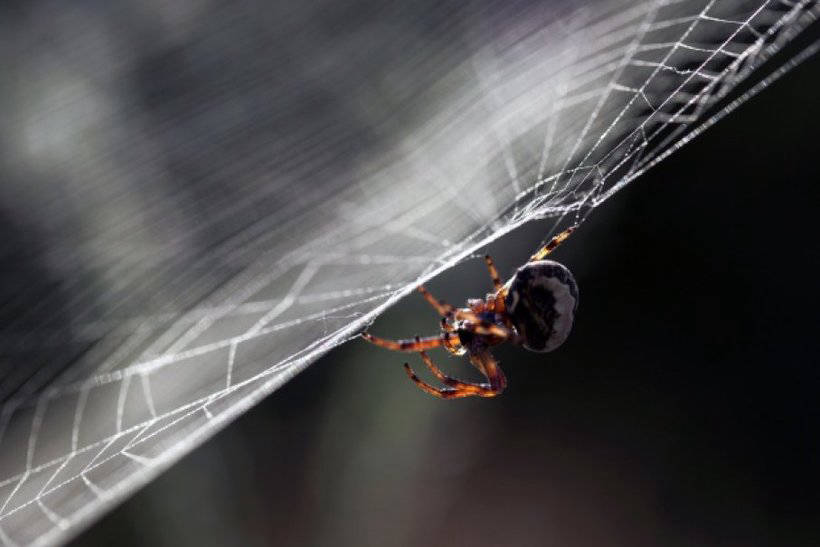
(534, 309)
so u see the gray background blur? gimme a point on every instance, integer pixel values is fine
(683, 410)
(186, 187)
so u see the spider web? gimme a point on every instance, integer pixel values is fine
(201, 201)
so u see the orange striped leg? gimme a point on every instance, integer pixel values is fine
(443, 309)
(419, 344)
(441, 393)
(488, 366)
(553, 243)
(450, 381)
(456, 388)
(493, 272)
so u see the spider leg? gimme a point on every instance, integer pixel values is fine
(450, 381)
(419, 344)
(456, 388)
(500, 306)
(443, 309)
(553, 243)
(480, 326)
(493, 272)
(488, 366)
(441, 393)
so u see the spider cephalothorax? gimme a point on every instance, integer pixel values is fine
(534, 309)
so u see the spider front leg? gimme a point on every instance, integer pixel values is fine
(447, 339)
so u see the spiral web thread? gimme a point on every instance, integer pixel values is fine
(546, 120)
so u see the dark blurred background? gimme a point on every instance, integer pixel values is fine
(682, 411)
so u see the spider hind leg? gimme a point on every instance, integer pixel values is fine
(542, 253)
(441, 393)
(457, 389)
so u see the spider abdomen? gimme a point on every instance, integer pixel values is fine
(541, 301)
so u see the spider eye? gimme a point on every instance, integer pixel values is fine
(541, 302)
